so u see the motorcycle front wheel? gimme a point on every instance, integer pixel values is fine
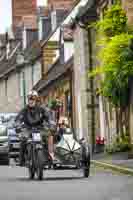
(31, 164)
(39, 170)
(31, 172)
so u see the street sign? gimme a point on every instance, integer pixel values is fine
(48, 60)
(51, 45)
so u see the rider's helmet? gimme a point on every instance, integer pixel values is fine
(33, 95)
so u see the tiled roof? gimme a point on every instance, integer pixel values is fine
(33, 52)
(56, 71)
(7, 66)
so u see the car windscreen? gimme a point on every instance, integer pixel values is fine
(3, 131)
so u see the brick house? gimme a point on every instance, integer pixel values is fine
(24, 12)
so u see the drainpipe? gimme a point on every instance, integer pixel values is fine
(91, 92)
(24, 89)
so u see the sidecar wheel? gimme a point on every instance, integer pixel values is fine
(86, 172)
(86, 161)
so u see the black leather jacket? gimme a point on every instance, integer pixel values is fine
(33, 117)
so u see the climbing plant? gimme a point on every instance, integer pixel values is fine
(115, 56)
(113, 23)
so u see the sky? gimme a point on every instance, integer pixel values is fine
(5, 7)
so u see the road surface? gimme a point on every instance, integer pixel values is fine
(65, 185)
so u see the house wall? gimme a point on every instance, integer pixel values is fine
(59, 91)
(10, 100)
(128, 6)
(81, 62)
(68, 50)
(12, 89)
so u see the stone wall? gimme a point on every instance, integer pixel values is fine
(11, 90)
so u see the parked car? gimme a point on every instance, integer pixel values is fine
(13, 143)
(13, 139)
(4, 145)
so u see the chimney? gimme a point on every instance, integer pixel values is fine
(40, 28)
(53, 20)
(8, 50)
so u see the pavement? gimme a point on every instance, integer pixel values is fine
(63, 185)
(118, 161)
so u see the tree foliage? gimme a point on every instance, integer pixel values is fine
(116, 56)
(114, 22)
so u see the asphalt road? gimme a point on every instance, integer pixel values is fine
(64, 185)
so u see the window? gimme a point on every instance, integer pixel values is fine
(22, 84)
(20, 80)
(32, 75)
(68, 102)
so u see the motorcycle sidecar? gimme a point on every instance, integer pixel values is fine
(72, 154)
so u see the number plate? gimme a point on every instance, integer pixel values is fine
(36, 137)
(38, 146)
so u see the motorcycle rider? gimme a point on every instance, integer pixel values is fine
(34, 115)
(63, 124)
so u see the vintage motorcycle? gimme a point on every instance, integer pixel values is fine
(71, 154)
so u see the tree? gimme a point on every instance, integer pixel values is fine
(116, 59)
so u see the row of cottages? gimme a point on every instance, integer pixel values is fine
(20, 56)
(55, 60)
(65, 66)
(66, 59)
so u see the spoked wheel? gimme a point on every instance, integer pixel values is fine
(86, 161)
(31, 172)
(39, 169)
(30, 165)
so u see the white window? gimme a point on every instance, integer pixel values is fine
(21, 83)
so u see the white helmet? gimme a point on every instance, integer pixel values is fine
(33, 93)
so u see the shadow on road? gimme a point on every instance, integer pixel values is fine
(52, 179)
(26, 179)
